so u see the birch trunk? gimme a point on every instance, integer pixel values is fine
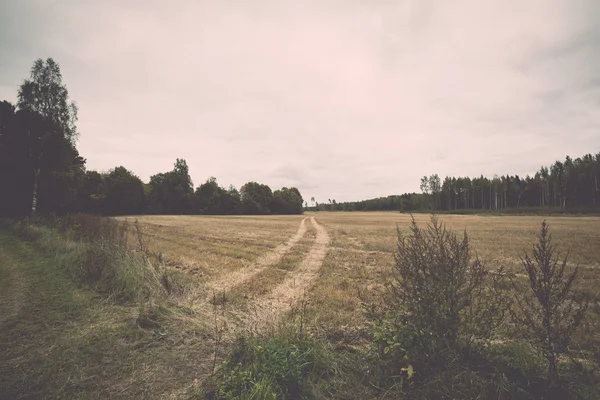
(34, 195)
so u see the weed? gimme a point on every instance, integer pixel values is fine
(276, 367)
(548, 313)
(439, 297)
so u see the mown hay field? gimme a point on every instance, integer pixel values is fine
(226, 277)
(267, 265)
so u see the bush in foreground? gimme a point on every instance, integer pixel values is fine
(548, 313)
(277, 367)
(434, 328)
(441, 303)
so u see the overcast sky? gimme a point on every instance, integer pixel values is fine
(344, 99)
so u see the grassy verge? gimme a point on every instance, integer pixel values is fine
(66, 335)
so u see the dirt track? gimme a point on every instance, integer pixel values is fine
(238, 277)
(292, 289)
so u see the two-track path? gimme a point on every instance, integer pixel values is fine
(265, 311)
(243, 275)
(269, 308)
(298, 281)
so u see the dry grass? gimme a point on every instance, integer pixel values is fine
(496, 239)
(360, 253)
(363, 246)
(215, 249)
(212, 246)
(60, 340)
(263, 282)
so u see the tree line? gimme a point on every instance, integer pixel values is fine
(570, 185)
(403, 202)
(41, 171)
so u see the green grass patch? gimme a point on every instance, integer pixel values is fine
(280, 367)
(59, 339)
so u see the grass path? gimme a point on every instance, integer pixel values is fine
(60, 340)
(38, 309)
(13, 287)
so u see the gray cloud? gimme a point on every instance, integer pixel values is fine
(344, 99)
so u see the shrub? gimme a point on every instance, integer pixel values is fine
(440, 304)
(273, 368)
(548, 313)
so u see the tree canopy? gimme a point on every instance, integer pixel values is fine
(46, 94)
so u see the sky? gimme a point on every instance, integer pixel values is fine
(343, 99)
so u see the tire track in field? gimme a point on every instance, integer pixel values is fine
(287, 293)
(244, 274)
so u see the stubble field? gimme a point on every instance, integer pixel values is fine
(275, 276)
(266, 267)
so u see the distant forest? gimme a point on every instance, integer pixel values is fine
(41, 171)
(570, 185)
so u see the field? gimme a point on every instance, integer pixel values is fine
(265, 265)
(238, 275)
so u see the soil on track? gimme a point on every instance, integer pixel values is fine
(283, 297)
(242, 275)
